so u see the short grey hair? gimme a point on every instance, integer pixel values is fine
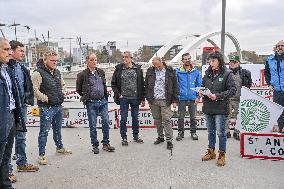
(129, 53)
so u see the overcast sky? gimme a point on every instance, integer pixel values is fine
(257, 24)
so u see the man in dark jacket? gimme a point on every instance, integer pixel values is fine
(11, 113)
(162, 91)
(24, 81)
(274, 77)
(219, 80)
(91, 85)
(128, 86)
(48, 89)
(242, 77)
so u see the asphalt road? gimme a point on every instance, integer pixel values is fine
(144, 166)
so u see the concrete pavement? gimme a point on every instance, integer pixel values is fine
(144, 166)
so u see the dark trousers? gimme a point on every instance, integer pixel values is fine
(192, 113)
(278, 97)
(124, 105)
(5, 153)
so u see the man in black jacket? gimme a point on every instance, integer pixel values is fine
(91, 85)
(219, 80)
(162, 91)
(24, 81)
(242, 77)
(128, 86)
(11, 110)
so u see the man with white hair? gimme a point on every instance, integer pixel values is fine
(274, 77)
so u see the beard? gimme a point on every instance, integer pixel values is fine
(280, 52)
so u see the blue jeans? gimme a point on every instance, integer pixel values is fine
(6, 146)
(50, 116)
(217, 123)
(20, 143)
(124, 105)
(95, 108)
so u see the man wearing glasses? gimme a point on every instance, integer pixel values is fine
(188, 77)
(128, 86)
(274, 77)
(242, 77)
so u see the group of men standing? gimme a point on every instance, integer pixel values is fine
(163, 87)
(17, 91)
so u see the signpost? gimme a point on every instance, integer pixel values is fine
(263, 146)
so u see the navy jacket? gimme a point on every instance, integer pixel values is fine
(4, 106)
(28, 84)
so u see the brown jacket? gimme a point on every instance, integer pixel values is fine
(82, 84)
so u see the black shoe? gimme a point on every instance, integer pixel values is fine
(194, 136)
(180, 136)
(159, 140)
(229, 135)
(96, 150)
(236, 136)
(170, 145)
(124, 142)
(138, 140)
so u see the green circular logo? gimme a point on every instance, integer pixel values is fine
(254, 115)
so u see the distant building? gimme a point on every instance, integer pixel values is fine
(79, 55)
(36, 49)
(110, 47)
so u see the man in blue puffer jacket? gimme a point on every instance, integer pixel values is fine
(188, 77)
(274, 77)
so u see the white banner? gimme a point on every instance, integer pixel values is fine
(264, 146)
(256, 113)
(146, 120)
(72, 96)
(73, 117)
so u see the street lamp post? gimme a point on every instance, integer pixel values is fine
(69, 38)
(2, 30)
(223, 27)
(15, 25)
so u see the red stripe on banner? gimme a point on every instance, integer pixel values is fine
(263, 157)
(254, 156)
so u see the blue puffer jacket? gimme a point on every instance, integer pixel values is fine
(276, 73)
(186, 81)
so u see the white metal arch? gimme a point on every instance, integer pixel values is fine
(196, 42)
(164, 49)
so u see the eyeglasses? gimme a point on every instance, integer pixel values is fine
(280, 46)
(125, 57)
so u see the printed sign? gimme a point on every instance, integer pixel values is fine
(72, 96)
(146, 120)
(264, 146)
(73, 117)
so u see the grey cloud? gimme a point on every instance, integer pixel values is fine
(139, 22)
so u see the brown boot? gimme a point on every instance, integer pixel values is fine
(209, 155)
(221, 158)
